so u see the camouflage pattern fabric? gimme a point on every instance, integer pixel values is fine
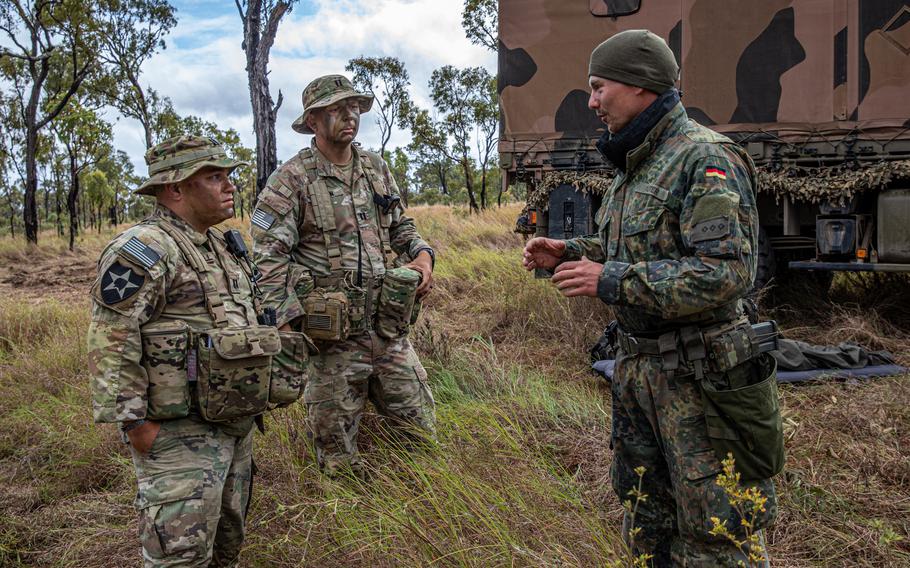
(192, 460)
(348, 373)
(677, 235)
(194, 487)
(176, 159)
(396, 302)
(659, 424)
(292, 253)
(325, 91)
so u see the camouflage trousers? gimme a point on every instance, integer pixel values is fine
(659, 423)
(344, 375)
(194, 486)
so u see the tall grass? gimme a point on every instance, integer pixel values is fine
(520, 473)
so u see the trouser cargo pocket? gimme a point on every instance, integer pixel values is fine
(172, 517)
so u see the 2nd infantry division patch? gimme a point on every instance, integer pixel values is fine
(119, 283)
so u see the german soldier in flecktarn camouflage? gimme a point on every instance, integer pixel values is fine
(325, 230)
(169, 293)
(674, 256)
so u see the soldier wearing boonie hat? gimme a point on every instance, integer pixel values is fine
(326, 231)
(161, 285)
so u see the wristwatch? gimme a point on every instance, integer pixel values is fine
(127, 426)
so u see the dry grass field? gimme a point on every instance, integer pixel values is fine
(521, 473)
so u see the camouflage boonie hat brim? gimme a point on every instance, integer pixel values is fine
(326, 91)
(176, 159)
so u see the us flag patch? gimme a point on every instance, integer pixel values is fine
(712, 171)
(262, 219)
(140, 252)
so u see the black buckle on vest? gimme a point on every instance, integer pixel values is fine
(386, 202)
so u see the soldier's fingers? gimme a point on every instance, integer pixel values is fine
(565, 266)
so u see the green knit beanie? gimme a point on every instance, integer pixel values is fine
(636, 57)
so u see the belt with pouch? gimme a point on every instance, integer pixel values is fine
(723, 345)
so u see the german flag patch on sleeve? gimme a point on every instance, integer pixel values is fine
(715, 172)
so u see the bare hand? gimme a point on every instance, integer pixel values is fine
(578, 278)
(541, 252)
(142, 437)
(424, 265)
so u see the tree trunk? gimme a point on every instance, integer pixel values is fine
(72, 198)
(29, 208)
(59, 215)
(257, 42)
(469, 184)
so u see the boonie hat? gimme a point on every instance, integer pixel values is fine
(325, 91)
(178, 158)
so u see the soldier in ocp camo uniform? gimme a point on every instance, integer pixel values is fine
(327, 230)
(674, 256)
(159, 283)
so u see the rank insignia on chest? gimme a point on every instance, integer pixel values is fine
(362, 215)
(262, 219)
(715, 172)
(119, 283)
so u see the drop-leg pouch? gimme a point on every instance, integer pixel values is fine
(165, 344)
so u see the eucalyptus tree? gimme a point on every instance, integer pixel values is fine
(387, 80)
(131, 32)
(480, 21)
(45, 39)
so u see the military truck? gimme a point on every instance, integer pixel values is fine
(817, 91)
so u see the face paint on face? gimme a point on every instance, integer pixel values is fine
(339, 123)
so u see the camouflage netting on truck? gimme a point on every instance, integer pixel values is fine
(836, 184)
(538, 197)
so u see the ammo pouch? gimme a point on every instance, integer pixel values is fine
(165, 345)
(326, 315)
(289, 369)
(742, 412)
(234, 373)
(396, 302)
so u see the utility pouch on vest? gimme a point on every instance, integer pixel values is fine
(164, 356)
(234, 371)
(326, 315)
(357, 308)
(396, 302)
(733, 346)
(289, 369)
(742, 411)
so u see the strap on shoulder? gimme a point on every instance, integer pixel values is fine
(323, 210)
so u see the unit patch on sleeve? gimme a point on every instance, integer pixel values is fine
(141, 253)
(262, 219)
(119, 283)
(715, 172)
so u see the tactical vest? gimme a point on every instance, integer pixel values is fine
(224, 373)
(318, 195)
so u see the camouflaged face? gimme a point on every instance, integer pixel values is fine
(326, 91)
(178, 158)
(677, 239)
(772, 69)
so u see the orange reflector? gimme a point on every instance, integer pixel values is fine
(861, 254)
(533, 217)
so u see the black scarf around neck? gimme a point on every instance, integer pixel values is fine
(615, 147)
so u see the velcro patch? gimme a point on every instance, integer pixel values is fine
(141, 253)
(710, 229)
(715, 172)
(120, 283)
(262, 219)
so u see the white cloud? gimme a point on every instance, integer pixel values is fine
(203, 68)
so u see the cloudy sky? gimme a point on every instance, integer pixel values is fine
(202, 69)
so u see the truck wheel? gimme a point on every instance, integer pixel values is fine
(767, 265)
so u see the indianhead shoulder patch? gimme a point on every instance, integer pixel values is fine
(119, 283)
